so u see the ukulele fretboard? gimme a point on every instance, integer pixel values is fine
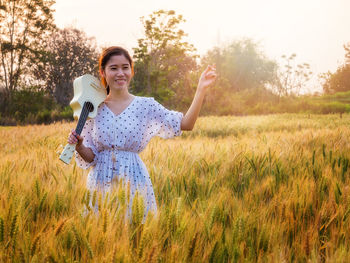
(87, 108)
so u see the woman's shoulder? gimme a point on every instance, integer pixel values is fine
(146, 101)
(101, 110)
(101, 107)
(142, 98)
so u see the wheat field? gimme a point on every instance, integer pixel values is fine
(235, 189)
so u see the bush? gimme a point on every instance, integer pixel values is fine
(67, 113)
(7, 121)
(334, 107)
(43, 116)
(32, 106)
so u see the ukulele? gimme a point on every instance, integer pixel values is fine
(88, 95)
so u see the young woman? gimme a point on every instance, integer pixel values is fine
(124, 124)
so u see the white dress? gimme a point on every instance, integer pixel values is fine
(116, 141)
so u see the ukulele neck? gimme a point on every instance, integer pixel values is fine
(87, 108)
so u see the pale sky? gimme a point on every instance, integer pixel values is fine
(315, 30)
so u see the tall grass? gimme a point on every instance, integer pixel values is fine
(269, 188)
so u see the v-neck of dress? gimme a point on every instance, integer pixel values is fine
(126, 108)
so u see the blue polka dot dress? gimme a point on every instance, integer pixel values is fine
(116, 141)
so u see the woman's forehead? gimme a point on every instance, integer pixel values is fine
(118, 60)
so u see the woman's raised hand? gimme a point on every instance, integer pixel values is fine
(207, 77)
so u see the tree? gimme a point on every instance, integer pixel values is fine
(292, 78)
(163, 59)
(69, 53)
(23, 25)
(338, 81)
(244, 72)
(241, 65)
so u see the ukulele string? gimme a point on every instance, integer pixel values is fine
(86, 113)
(83, 115)
(87, 108)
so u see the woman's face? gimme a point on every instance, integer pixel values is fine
(117, 72)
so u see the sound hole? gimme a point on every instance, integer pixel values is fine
(89, 106)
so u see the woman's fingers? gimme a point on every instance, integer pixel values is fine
(210, 68)
(208, 76)
(211, 73)
(74, 138)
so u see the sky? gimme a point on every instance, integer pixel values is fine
(315, 30)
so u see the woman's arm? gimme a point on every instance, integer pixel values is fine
(85, 152)
(206, 79)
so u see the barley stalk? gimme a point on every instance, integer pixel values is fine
(34, 245)
(105, 220)
(60, 227)
(2, 229)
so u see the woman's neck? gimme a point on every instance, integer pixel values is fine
(121, 95)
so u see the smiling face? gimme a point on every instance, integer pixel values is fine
(117, 72)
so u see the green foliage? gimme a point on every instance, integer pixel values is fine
(163, 59)
(244, 75)
(263, 101)
(29, 101)
(32, 105)
(241, 65)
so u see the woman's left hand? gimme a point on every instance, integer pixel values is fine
(207, 77)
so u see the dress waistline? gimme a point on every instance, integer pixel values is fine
(114, 148)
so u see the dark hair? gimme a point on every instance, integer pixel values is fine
(106, 55)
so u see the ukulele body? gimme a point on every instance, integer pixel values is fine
(88, 95)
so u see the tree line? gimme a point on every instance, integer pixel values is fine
(39, 61)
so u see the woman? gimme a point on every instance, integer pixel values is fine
(124, 124)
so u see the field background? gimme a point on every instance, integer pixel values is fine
(236, 189)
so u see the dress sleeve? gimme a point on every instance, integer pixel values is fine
(163, 122)
(88, 141)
